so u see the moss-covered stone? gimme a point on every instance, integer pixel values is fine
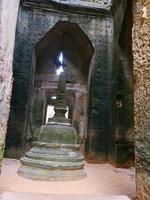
(55, 156)
(53, 133)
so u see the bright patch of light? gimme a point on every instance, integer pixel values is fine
(61, 58)
(59, 70)
(53, 97)
(50, 112)
(67, 113)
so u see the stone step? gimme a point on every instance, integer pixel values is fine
(56, 145)
(52, 164)
(71, 157)
(54, 151)
(35, 173)
(33, 196)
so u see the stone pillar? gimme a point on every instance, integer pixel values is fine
(8, 19)
(141, 53)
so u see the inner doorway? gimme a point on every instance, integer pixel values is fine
(64, 49)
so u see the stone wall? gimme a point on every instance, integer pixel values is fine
(8, 18)
(33, 24)
(141, 52)
(122, 108)
(103, 27)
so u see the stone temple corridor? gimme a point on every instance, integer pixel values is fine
(74, 99)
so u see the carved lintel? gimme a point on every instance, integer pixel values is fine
(90, 7)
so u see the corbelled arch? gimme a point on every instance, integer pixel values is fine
(69, 38)
(77, 49)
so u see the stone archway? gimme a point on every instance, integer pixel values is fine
(139, 33)
(38, 28)
(77, 51)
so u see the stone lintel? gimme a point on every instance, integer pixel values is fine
(77, 6)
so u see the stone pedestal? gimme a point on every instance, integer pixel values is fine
(56, 155)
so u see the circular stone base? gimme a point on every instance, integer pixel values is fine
(40, 174)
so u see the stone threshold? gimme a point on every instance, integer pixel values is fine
(33, 196)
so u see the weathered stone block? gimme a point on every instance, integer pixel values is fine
(8, 18)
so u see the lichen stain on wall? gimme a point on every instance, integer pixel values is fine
(8, 19)
(141, 52)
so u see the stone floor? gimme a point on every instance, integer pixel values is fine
(27, 196)
(103, 181)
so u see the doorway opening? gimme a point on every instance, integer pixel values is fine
(64, 49)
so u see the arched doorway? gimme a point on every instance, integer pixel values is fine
(68, 39)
